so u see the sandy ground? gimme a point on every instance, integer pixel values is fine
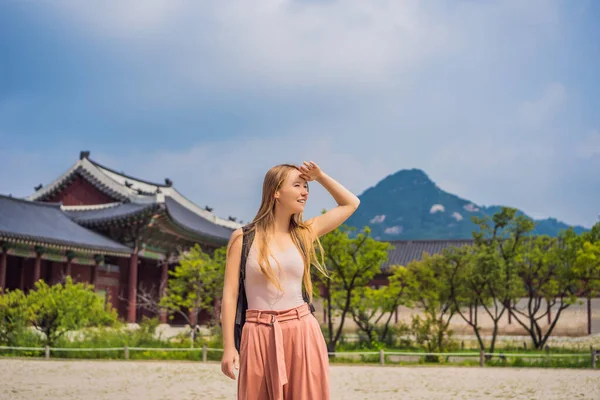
(151, 380)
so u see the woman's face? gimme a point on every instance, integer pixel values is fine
(293, 193)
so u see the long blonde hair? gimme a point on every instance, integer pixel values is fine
(300, 231)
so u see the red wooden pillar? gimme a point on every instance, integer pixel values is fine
(3, 270)
(68, 271)
(22, 274)
(95, 268)
(37, 268)
(164, 276)
(133, 278)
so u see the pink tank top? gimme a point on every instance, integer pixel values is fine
(264, 295)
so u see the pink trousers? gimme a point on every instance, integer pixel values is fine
(283, 355)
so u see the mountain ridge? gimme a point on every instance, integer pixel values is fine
(408, 205)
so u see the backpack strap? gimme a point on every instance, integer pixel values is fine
(247, 239)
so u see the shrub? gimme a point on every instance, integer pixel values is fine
(57, 309)
(13, 317)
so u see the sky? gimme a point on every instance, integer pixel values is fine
(497, 101)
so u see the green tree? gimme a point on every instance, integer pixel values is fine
(13, 316)
(484, 275)
(473, 277)
(587, 266)
(505, 233)
(194, 284)
(215, 284)
(352, 263)
(57, 309)
(547, 275)
(429, 288)
(372, 309)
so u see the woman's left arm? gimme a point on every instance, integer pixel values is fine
(346, 200)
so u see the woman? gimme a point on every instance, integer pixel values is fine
(283, 354)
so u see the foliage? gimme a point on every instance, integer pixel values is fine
(372, 309)
(484, 275)
(195, 284)
(428, 286)
(13, 317)
(586, 267)
(545, 271)
(58, 309)
(433, 334)
(352, 264)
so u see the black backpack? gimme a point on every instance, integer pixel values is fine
(242, 303)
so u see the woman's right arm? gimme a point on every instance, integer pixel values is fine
(229, 303)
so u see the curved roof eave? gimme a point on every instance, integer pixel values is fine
(114, 184)
(45, 223)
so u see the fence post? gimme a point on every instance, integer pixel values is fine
(381, 357)
(126, 352)
(47, 352)
(593, 357)
(204, 351)
(481, 358)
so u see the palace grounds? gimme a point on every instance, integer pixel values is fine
(29, 379)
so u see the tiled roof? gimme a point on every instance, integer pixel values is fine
(164, 191)
(405, 251)
(189, 220)
(127, 189)
(45, 224)
(91, 216)
(180, 216)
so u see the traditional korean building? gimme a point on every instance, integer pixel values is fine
(404, 252)
(105, 227)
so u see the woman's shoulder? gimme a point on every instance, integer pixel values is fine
(238, 233)
(235, 240)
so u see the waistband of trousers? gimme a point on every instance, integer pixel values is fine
(268, 317)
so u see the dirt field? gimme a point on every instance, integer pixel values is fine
(122, 380)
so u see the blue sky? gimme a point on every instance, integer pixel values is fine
(497, 101)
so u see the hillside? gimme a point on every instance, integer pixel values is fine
(409, 205)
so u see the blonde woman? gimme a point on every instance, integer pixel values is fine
(269, 332)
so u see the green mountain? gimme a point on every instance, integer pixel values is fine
(408, 205)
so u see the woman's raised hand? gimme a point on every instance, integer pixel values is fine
(310, 171)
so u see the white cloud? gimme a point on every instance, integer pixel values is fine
(394, 230)
(364, 88)
(331, 43)
(471, 207)
(437, 208)
(457, 216)
(121, 19)
(377, 219)
(228, 176)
